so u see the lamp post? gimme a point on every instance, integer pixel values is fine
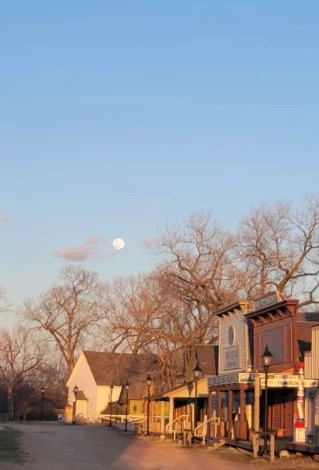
(111, 404)
(75, 391)
(127, 386)
(267, 357)
(148, 381)
(42, 400)
(197, 373)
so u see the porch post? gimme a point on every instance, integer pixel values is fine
(242, 416)
(230, 414)
(209, 412)
(219, 413)
(162, 425)
(171, 409)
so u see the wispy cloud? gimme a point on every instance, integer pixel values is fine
(95, 240)
(74, 253)
(150, 242)
(79, 252)
(3, 217)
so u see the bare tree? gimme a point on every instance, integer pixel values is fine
(68, 312)
(166, 311)
(52, 376)
(145, 315)
(4, 303)
(205, 268)
(20, 355)
(200, 262)
(131, 305)
(278, 250)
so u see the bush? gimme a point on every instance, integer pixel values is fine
(34, 413)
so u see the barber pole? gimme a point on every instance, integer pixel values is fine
(300, 431)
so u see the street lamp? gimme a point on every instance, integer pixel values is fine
(148, 381)
(127, 386)
(197, 371)
(111, 404)
(75, 391)
(267, 357)
(42, 400)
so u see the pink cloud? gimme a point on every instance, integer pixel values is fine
(3, 217)
(150, 242)
(95, 240)
(74, 253)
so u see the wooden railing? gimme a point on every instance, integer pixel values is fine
(170, 427)
(121, 418)
(202, 427)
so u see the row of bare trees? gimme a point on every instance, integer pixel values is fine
(202, 267)
(26, 366)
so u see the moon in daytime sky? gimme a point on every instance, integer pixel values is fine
(118, 243)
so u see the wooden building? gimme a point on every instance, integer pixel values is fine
(245, 331)
(187, 400)
(276, 324)
(312, 394)
(94, 374)
(233, 384)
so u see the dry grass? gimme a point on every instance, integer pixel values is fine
(232, 454)
(295, 462)
(10, 450)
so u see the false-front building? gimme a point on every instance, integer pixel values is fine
(244, 332)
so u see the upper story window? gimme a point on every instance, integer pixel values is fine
(231, 335)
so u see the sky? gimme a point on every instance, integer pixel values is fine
(119, 117)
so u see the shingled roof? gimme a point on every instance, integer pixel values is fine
(117, 368)
(206, 355)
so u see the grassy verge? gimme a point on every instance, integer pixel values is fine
(10, 450)
(295, 462)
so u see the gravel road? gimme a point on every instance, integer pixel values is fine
(59, 446)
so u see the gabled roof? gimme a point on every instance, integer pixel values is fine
(242, 305)
(137, 390)
(117, 368)
(206, 356)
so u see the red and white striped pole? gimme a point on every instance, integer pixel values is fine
(300, 432)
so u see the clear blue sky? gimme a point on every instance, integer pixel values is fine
(117, 117)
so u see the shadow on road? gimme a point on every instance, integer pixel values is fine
(60, 446)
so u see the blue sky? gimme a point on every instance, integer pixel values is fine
(118, 117)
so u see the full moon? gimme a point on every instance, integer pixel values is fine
(118, 243)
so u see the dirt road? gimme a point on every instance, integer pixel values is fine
(59, 446)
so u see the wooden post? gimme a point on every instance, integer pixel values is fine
(171, 410)
(219, 413)
(209, 412)
(242, 416)
(162, 425)
(256, 415)
(272, 447)
(230, 414)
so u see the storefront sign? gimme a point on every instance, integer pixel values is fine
(289, 381)
(236, 378)
(267, 299)
(224, 379)
(246, 378)
(274, 380)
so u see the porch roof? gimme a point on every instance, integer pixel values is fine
(187, 390)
